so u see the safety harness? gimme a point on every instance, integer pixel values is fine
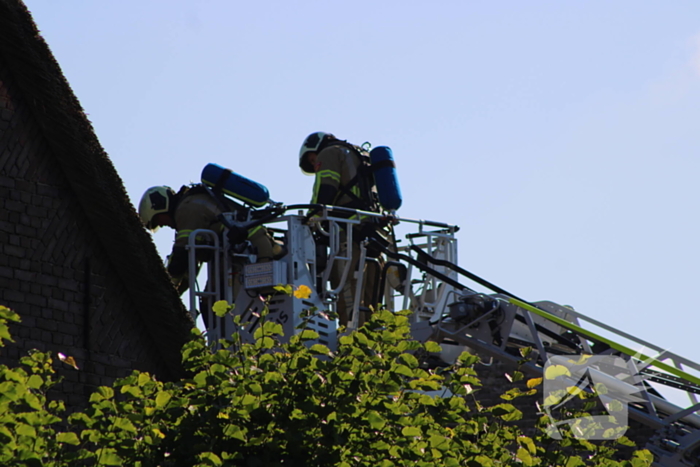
(363, 179)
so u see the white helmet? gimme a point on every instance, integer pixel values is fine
(156, 200)
(312, 143)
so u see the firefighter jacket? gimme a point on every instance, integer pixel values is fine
(199, 210)
(196, 211)
(337, 172)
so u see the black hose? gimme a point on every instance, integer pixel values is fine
(422, 266)
(441, 262)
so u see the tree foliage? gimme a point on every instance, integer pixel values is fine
(369, 402)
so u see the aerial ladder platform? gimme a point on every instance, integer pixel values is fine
(421, 273)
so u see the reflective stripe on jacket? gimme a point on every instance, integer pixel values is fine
(336, 166)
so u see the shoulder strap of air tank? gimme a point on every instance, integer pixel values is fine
(177, 197)
(216, 195)
(383, 165)
(347, 190)
(363, 177)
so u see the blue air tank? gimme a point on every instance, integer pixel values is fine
(235, 185)
(386, 178)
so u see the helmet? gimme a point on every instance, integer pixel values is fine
(312, 143)
(156, 200)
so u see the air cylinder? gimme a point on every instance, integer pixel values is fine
(386, 178)
(235, 185)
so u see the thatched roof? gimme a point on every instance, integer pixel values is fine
(95, 181)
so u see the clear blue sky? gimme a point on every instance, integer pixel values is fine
(561, 136)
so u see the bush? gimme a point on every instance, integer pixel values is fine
(266, 403)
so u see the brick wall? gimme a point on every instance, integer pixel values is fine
(54, 271)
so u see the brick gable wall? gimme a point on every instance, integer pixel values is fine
(54, 271)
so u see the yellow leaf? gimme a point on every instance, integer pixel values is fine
(582, 359)
(68, 360)
(302, 291)
(552, 399)
(158, 433)
(553, 371)
(531, 383)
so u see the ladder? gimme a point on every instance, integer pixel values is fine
(493, 325)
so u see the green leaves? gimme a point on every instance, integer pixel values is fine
(523, 455)
(209, 459)
(6, 315)
(375, 420)
(285, 289)
(411, 431)
(108, 456)
(370, 401)
(641, 458)
(431, 346)
(221, 307)
(68, 438)
(409, 360)
(102, 393)
(506, 412)
(319, 349)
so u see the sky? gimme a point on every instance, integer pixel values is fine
(561, 136)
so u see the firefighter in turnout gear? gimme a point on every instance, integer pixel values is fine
(337, 166)
(341, 181)
(192, 208)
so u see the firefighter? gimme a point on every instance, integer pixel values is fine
(190, 209)
(341, 181)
